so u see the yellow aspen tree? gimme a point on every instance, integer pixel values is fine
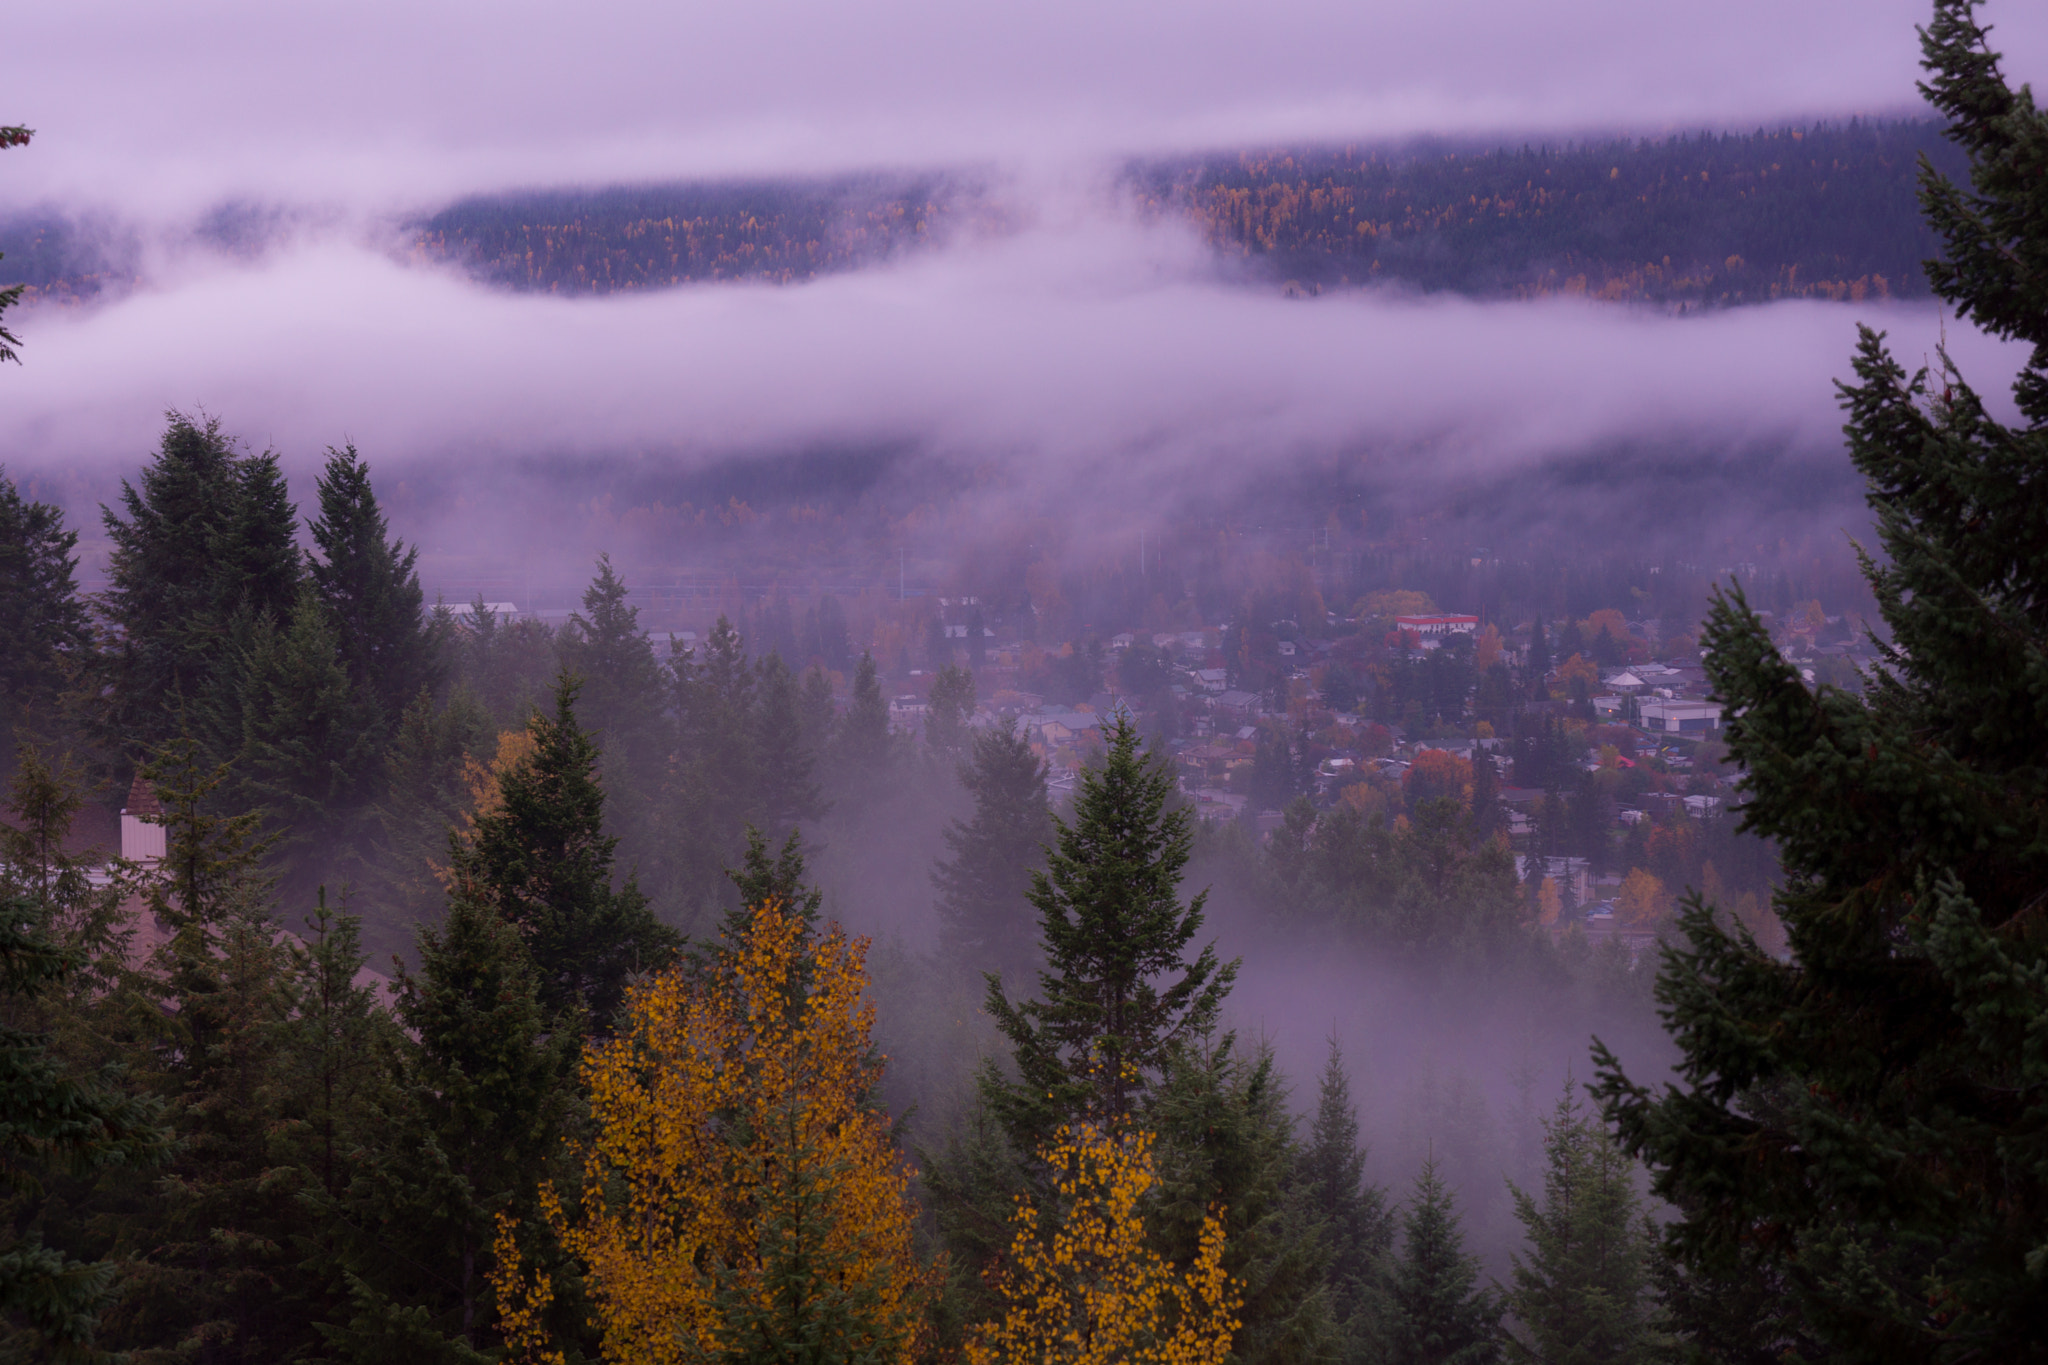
(1084, 1288)
(741, 1199)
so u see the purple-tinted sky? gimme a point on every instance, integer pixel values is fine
(367, 101)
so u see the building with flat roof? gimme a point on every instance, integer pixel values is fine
(1682, 717)
(1438, 625)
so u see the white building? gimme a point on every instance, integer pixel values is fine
(1427, 626)
(1682, 717)
(142, 837)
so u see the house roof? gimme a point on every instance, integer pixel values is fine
(142, 799)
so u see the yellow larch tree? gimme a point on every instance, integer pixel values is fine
(741, 1199)
(1643, 900)
(1082, 1287)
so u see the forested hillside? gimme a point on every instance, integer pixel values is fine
(1822, 212)
(1706, 219)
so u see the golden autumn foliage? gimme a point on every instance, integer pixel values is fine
(1488, 648)
(486, 797)
(1579, 668)
(741, 1194)
(481, 779)
(1087, 1289)
(1643, 900)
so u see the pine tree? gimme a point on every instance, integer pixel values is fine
(863, 737)
(508, 664)
(312, 747)
(424, 796)
(544, 863)
(623, 707)
(369, 589)
(985, 920)
(782, 880)
(1118, 991)
(1359, 1225)
(42, 617)
(480, 1096)
(815, 710)
(11, 135)
(205, 555)
(1437, 1313)
(1582, 1294)
(977, 639)
(60, 956)
(951, 707)
(717, 793)
(217, 1271)
(785, 762)
(1272, 776)
(1536, 664)
(1227, 1151)
(1871, 1115)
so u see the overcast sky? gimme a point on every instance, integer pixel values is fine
(172, 105)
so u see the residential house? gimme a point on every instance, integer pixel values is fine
(1668, 716)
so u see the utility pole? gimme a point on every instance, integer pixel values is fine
(901, 581)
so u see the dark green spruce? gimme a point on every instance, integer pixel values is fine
(1867, 1118)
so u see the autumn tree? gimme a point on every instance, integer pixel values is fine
(740, 1197)
(1082, 1285)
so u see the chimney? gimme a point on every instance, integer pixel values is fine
(142, 833)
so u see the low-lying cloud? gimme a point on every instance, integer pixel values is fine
(1094, 363)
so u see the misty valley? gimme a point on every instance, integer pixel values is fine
(1317, 753)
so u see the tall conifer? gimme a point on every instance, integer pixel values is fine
(1359, 1225)
(204, 555)
(1437, 1312)
(985, 911)
(544, 863)
(1582, 1293)
(42, 617)
(1118, 993)
(369, 588)
(1871, 1114)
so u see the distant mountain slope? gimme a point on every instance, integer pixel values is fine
(1703, 220)
(653, 236)
(1827, 211)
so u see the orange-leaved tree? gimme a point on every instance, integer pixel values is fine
(741, 1199)
(1082, 1286)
